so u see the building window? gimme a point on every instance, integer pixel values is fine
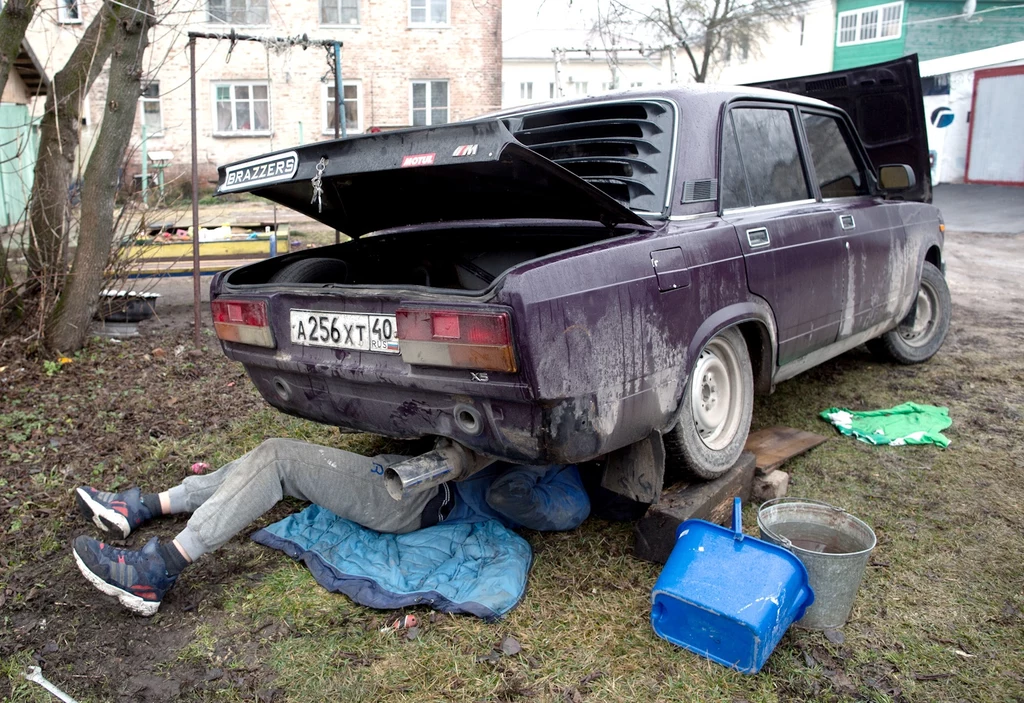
(551, 91)
(152, 117)
(429, 103)
(240, 12)
(242, 108)
(870, 24)
(581, 88)
(636, 84)
(428, 12)
(352, 103)
(68, 12)
(526, 91)
(339, 12)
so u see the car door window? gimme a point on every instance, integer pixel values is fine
(733, 181)
(767, 156)
(839, 173)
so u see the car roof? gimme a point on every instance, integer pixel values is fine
(682, 94)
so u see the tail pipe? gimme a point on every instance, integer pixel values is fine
(449, 461)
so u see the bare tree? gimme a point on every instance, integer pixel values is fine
(14, 20)
(59, 134)
(68, 324)
(702, 29)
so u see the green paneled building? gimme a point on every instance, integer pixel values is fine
(868, 31)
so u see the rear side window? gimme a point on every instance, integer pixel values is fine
(760, 160)
(839, 173)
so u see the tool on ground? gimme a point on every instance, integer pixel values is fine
(402, 623)
(728, 596)
(35, 674)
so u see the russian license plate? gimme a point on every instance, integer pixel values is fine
(376, 333)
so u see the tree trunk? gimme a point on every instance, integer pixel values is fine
(69, 323)
(14, 21)
(58, 143)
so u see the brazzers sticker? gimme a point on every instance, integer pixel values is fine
(269, 169)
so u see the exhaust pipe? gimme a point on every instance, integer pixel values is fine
(449, 461)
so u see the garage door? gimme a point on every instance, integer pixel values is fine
(995, 149)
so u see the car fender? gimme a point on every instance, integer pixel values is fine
(755, 310)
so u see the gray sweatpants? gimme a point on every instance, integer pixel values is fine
(226, 501)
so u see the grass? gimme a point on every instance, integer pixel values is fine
(938, 616)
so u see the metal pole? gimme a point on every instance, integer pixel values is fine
(196, 294)
(339, 113)
(145, 164)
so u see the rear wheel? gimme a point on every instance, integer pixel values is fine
(921, 333)
(317, 270)
(717, 405)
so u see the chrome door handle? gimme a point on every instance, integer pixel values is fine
(847, 222)
(758, 237)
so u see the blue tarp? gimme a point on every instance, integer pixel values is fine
(478, 568)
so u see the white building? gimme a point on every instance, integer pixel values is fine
(981, 92)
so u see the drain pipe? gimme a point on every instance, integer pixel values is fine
(449, 461)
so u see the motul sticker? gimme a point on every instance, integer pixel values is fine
(418, 160)
(269, 169)
(465, 150)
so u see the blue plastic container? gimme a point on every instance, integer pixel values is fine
(727, 596)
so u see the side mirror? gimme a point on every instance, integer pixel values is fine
(896, 178)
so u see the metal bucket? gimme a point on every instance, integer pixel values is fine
(831, 543)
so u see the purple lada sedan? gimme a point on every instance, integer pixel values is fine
(622, 273)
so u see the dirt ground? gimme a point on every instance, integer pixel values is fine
(141, 411)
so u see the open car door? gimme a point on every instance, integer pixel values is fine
(885, 103)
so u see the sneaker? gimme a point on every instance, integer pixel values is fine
(138, 579)
(119, 513)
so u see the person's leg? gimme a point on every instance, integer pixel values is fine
(349, 485)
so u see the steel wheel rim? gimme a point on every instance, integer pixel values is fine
(715, 395)
(926, 308)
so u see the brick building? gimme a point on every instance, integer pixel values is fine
(404, 62)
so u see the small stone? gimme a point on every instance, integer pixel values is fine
(158, 353)
(510, 646)
(773, 485)
(214, 674)
(835, 636)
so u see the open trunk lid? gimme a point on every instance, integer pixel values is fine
(885, 103)
(458, 172)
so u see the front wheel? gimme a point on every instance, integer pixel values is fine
(716, 408)
(920, 334)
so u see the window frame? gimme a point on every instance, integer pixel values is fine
(324, 116)
(214, 84)
(427, 23)
(62, 11)
(429, 107)
(159, 102)
(526, 90)
(210, 19)
(878, 24)
(339, 25)
(801, 147)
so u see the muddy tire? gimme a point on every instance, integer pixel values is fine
(921, 333)
(716, 408)
(317, 270)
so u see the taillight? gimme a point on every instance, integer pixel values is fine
(242, 321)
(465, 340)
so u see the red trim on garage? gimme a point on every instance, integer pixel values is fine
(978, 76)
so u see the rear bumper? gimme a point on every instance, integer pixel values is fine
(558, 432)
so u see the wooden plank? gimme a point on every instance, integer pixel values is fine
(655, 534)
(774, 446)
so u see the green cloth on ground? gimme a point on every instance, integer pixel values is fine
(909, 423)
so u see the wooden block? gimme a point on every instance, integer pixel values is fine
(774, 485)
(775, 445)
(655, 534)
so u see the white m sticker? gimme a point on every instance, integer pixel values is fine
(465, 150)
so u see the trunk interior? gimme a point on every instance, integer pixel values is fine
(466, 259)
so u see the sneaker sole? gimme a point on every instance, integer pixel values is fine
(132, 602)
(103, 517)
